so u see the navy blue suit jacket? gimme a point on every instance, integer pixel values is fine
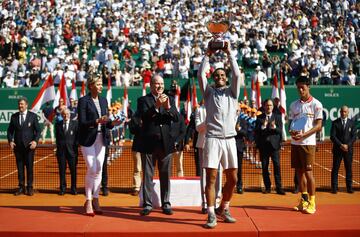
(29, 131)
(67, 141)
(268, 136)
(339, 135)
(87, 115)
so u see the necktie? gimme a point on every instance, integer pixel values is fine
(344, 123)
(22, 119)
(65, 126)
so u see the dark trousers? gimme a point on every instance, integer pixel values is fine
(25, 158)
(104, 174)
(239, 171)
(198, 166)
(348, 158)
(265, 155)
(71, 162)
(164, 165)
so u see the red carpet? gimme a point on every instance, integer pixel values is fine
(330, 220)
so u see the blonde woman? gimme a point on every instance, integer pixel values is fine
(93, 125)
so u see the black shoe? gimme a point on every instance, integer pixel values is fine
(62, 193)
(105, 191)
(203, 210)
(30, 191)
(20, 191)
(167, 211)
(73, 191)
(350, 190)
(239, 190)
(280, 191)
(334, 191)
(265, 191)
(145, 211)
(295, 191)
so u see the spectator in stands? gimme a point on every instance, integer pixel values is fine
(93, 125)
(23, 135)
(343, 136)
(67, 150)
(220, 103)
(157, 111)
(306, 117)
(268, 139)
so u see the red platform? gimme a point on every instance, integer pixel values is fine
(329, 221)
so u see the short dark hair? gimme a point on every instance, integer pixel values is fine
(23, 99)
(217, 69)
(303, 79)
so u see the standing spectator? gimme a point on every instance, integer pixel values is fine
(343, 136)
(240, 138)
(67, 150)
(306, 118)
(135, 125)
(344, 63)
(93, 126)
(46, 113)
(178, 130)
(220, 147)
(268, 140)
(157, 111)
(336, 75)
(23, 135)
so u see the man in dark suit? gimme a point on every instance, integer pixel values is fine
(241, 130)
(157, 111)
(268, 134)
(23, 135)
(343, 136)
(67, 149)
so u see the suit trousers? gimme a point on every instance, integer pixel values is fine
(94, 156)
(240, 154)
(104, 173)
(265, 155)
(71, 161)
(25, 158)
(348, 158)
(164, 165)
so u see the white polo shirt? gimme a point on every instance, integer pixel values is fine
(303, 116)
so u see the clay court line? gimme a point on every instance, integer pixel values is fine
(15, 171)
(327, 169)
(3, 158)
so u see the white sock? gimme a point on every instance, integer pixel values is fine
(211, 210)
(226, 205)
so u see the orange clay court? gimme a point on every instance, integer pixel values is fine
(257, 214)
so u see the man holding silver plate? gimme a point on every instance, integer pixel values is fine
(306, 120)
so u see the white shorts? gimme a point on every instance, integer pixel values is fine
(217, 150)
